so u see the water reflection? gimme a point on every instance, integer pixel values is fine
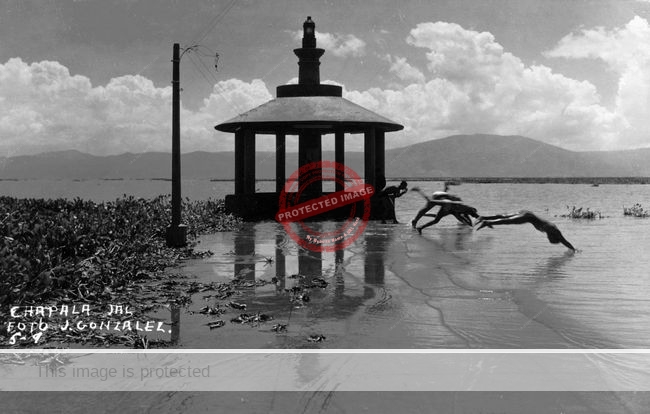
(244, 250)
(376, 246)
(463, 236)
(280, 263)
(296, 286)
(552, 269)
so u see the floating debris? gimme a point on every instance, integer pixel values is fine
(243, 318)
(211, 310)
(252, 318)
(279, 327)
(318, 282)
(216, 324)
(316, 338)
(294, 289)
(262, 317)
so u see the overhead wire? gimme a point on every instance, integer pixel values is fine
(203, 51)
(206, 73)
(214, 22)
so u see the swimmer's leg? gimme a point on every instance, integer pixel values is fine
(439, 216)
(519, 218)
(463, 218)
(421, 213)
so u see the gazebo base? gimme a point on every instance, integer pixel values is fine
(264, 206)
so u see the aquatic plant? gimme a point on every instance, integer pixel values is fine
(86, 252)
(580, 213)
(636, 211)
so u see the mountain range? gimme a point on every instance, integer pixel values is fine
(480, 155)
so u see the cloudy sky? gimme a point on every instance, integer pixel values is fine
(95, 75)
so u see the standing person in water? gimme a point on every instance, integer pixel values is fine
(552, 232)
(389, 194)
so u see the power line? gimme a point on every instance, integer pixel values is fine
(214, 83)
(215, 21)
(205, 74)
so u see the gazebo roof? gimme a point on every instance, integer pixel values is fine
(295, 114)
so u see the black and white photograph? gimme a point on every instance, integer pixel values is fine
(325, 206)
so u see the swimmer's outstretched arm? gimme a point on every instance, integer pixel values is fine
(566, 243)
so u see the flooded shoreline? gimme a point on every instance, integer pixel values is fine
(392, 289)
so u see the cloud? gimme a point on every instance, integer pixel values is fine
(626, 52)
(341, 45)
(44, 108)
(403, 70)
(467, 84)
(472, 85)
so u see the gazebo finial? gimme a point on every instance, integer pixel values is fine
(309, 33)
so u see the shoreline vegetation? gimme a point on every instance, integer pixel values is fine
(474, 180)
(62, 251)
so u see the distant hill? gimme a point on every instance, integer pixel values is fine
(456, 156)
(510, 156)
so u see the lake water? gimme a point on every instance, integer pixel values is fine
(451, 287)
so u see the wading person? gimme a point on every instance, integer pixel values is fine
(552, 232)
(388, 196)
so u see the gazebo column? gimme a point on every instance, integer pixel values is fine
(280, 161)
(239, 161)
(380, 160)
(339, 157)
(310, 150)
(249, 161)
(369, 157)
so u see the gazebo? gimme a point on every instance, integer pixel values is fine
(309, 110)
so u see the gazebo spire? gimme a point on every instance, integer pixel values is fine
(309, 55)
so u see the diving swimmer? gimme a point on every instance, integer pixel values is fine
(552, 232)
(453, 207)
(437, 196)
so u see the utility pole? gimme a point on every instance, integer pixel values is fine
(176, 232)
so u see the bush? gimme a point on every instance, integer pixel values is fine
(78, 250)
(580, 213)
(636, 211)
